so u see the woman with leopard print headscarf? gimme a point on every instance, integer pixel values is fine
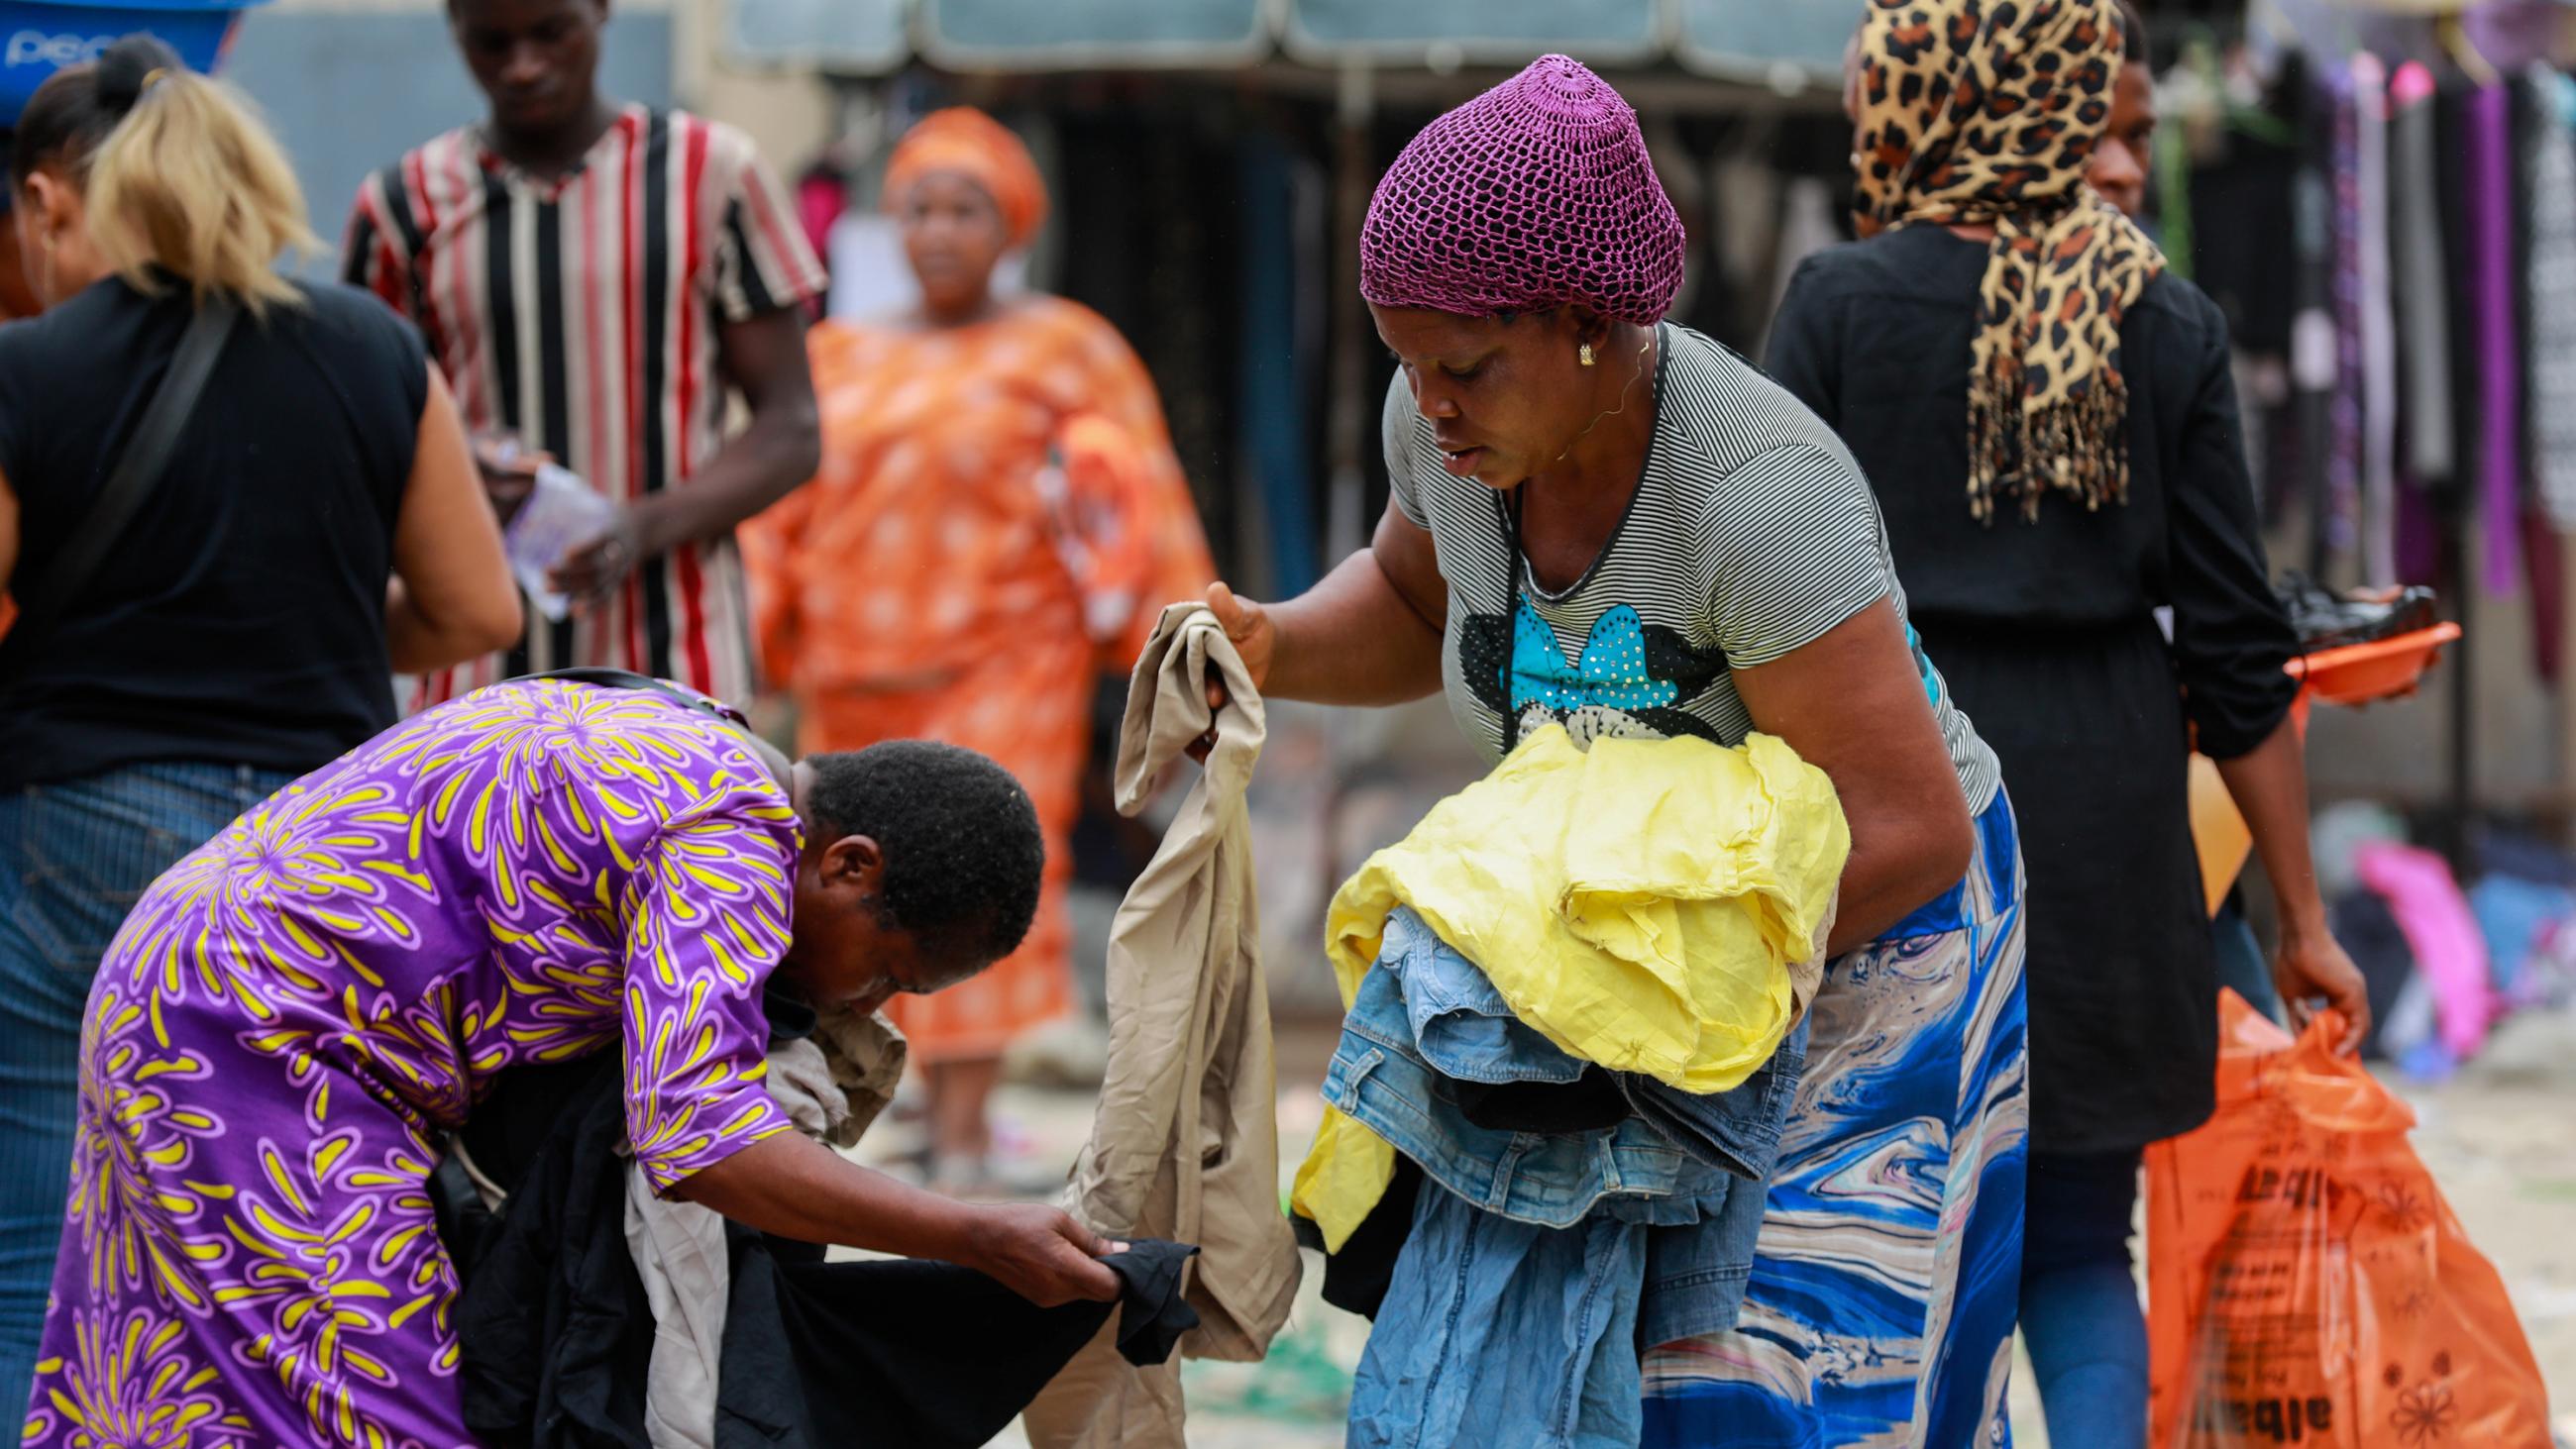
(2049, 419)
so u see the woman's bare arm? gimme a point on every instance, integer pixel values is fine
(451, 597)
(1851, 703)
(795, 1188)
(1369, 633)
(2270, 787)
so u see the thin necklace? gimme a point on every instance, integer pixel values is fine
(1623, 396)
(1507, 504)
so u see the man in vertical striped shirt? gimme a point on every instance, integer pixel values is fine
(595, 279)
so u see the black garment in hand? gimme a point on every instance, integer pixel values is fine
(556, 1331)
(917, 1355)
(1152, 1313)
(1357, 1277)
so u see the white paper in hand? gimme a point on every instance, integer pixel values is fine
(562, 513)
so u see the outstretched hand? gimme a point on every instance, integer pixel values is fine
(509, 473)
(594, 569)
(1248, 628)
(1043, 1255)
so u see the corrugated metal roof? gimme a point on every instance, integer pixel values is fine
(866, 36)
(1447, 33)
(1782, 42)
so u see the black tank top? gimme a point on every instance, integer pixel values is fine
(241, 617)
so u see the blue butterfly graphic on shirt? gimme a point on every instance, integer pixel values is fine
(1611, 672)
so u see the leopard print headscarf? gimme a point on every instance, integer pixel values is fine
(1986, 112)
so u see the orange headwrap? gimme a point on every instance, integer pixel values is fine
(965, 140)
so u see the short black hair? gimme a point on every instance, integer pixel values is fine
(960, 838)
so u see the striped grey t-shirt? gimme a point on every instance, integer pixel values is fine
(1752, 534)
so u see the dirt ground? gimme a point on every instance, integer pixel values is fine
(2500, 1138)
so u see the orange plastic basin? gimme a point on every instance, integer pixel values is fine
(2360, 673)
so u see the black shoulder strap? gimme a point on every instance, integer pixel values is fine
(139, 466)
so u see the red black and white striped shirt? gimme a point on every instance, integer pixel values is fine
(581, 314)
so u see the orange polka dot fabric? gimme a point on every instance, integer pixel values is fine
(998, 521)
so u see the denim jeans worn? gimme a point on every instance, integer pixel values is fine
(1538, 1263)
(2241, 963)
(74, 858)
(2079, 1298)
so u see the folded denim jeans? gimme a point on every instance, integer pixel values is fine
(1465, 1031)
(1380, 1079)
(1689, 1167)
(1495, 1332)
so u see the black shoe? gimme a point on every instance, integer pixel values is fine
(2326, 620)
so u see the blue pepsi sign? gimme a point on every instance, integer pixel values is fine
(39, 37)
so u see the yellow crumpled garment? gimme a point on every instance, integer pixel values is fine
(1639, 904)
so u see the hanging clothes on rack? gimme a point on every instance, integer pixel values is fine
(2549, 177)
(2491, 196)
(2227, 164)
(2377, 332)
(2419, 539)
(2344, 466)
(2421, 275)
(2545, 578)
(2454, 211)
(2313, 360)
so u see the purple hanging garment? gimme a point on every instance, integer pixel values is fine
(2419, 538)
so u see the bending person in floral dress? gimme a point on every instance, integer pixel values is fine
(296, 1013)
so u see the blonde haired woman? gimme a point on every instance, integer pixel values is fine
(319, 525)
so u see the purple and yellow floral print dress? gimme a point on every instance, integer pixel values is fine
(296, 1012)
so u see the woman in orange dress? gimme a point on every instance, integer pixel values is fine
(998, 519)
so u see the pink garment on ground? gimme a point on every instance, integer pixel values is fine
(2450, 953)
(1533, 195)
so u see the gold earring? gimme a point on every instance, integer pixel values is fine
(1583, 354)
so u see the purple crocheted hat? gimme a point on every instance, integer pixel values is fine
(1535, 194)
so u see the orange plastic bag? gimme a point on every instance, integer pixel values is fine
(2306, 1282)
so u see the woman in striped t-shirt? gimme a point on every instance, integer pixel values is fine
(1608, 521)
